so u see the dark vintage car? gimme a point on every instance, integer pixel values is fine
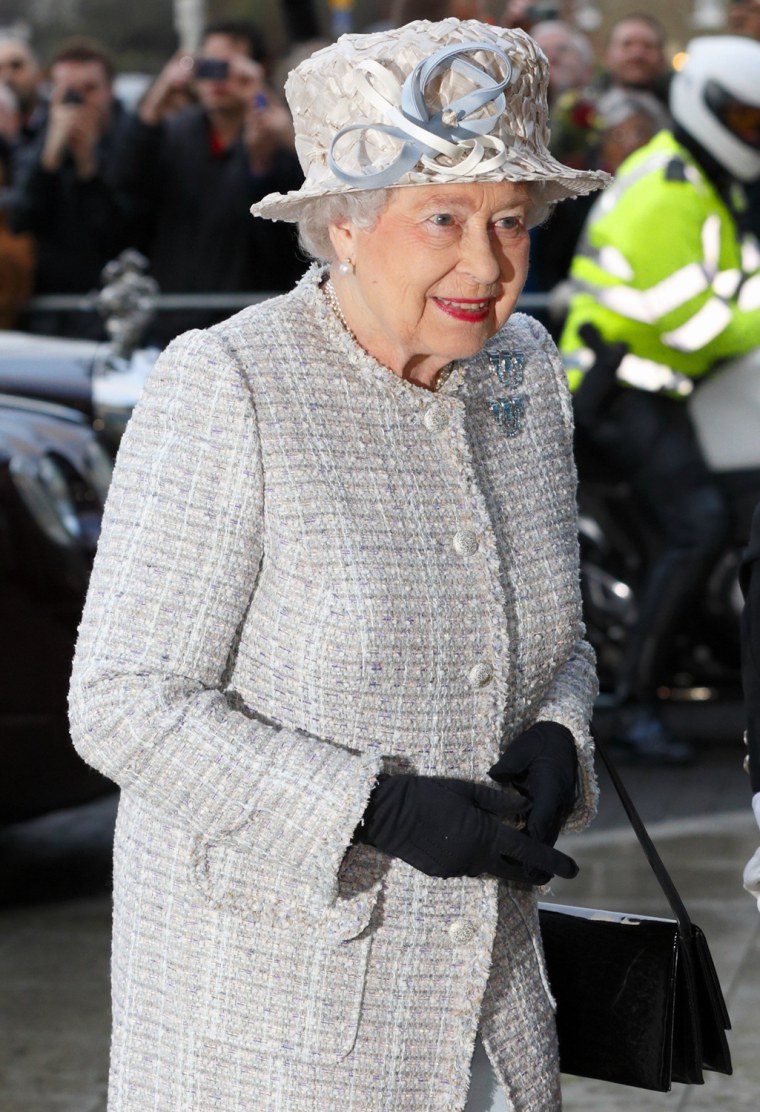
(54, 475)
(63, 406)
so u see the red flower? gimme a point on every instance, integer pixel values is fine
(583, 114)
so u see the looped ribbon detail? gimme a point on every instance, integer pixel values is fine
(426, 137)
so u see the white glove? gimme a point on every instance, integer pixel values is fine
(756, 807)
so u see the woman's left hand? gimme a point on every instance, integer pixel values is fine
(543, 763)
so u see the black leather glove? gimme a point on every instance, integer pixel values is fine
(543, 763)
(599, 385)
(446, 827)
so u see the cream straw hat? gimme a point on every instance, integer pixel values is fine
(424, 104)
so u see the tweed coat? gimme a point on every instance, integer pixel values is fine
(311, 571)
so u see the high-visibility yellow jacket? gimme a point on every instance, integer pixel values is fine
(660, 265)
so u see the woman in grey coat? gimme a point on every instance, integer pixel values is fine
(332, 650)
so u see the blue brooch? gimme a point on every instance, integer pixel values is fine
(509, 411)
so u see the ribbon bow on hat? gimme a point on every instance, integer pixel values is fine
(427, 137)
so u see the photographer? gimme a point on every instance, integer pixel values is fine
(66, 198)
(196, 171)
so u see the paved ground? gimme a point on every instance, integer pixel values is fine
(54, 950)
(54, 928)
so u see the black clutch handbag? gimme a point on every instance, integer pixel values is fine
(638, 999)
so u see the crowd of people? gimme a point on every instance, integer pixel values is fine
(82, 177)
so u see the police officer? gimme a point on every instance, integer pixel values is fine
(663, 269)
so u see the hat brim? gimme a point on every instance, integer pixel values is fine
(561, 183)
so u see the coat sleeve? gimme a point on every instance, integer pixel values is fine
(570, 697)
(175, 571)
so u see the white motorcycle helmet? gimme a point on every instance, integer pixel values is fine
(716, 99)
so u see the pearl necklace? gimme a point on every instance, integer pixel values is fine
(332, 300)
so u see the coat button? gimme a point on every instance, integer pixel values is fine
(465, 542)
(481, 674)
(436, 418)
(462, 930)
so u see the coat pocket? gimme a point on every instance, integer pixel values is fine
(266, 989)
(338, 905)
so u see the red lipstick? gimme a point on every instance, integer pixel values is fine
(473, 310)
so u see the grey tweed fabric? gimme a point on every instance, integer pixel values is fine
(311, 570)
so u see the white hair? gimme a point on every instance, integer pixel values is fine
(363, 208)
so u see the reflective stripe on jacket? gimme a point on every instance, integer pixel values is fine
(660, 266)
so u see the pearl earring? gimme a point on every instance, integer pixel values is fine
(346, 267)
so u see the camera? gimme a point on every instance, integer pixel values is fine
(71, 96)
(212, 69)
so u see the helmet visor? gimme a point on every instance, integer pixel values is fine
(737, 116)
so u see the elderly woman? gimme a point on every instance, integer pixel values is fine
(338, 584)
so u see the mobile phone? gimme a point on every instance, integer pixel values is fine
(212, 69)
(71, 96)
(537, 13)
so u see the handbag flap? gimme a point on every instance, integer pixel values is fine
(615, 974)
(710, 1012)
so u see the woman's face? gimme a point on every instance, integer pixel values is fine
(437, 276)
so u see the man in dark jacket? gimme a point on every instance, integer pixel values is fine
(195, 173)
(65, 195)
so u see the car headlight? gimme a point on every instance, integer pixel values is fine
(42, 487)
(99, 468)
